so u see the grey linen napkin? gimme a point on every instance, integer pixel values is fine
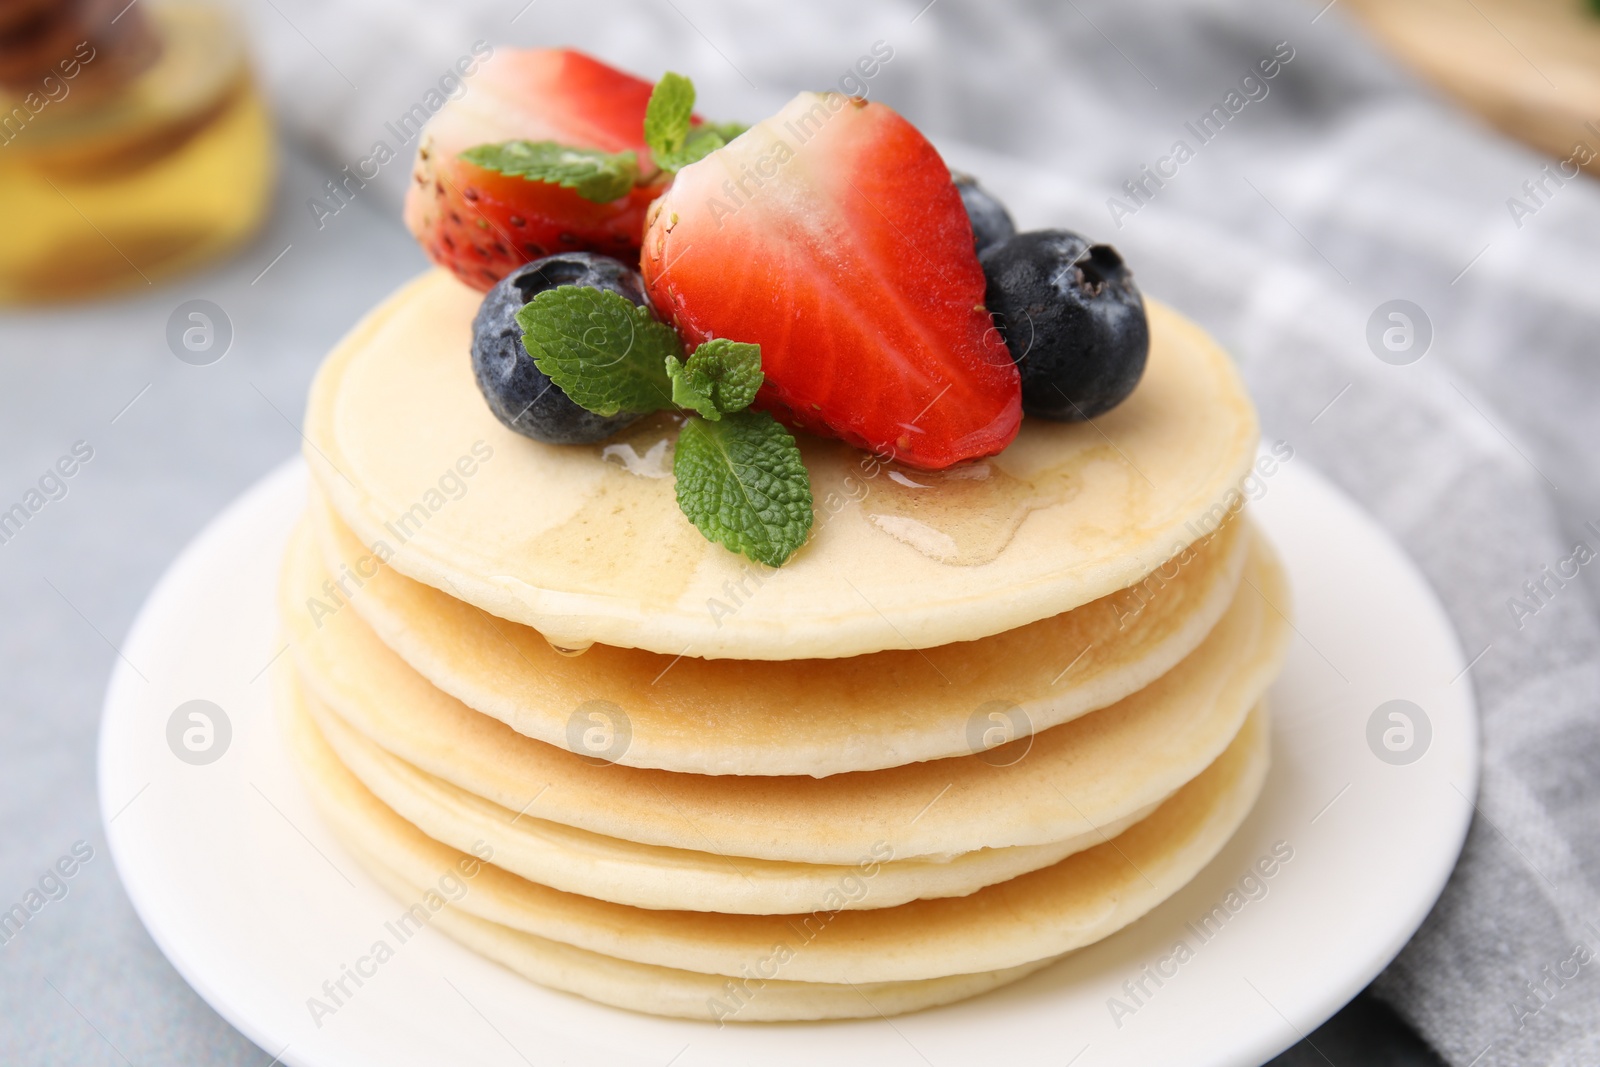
(1318, 194)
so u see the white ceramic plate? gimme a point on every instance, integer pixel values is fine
(257, 907)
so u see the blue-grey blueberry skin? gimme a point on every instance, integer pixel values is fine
(991, 222)
(1073, 319)
(517, 391)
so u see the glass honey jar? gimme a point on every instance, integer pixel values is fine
(134, 144)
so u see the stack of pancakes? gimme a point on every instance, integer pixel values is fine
(983, 718)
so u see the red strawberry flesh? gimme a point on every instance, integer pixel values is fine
(832, 236)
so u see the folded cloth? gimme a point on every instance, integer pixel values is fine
(1304, 200)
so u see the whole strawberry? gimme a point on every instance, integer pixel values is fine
(544, 152)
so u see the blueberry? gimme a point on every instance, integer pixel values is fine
(517, 391)
(1073, 319)
(991, 222)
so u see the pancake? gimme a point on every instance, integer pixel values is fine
(816, 717)
(1058, 785)
(689, 994)
(586, 544)
(649, 876)
(1035, 916)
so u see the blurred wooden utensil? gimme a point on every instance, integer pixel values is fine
(1530, 67)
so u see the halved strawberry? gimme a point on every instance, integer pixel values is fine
(832, 235)
(482, 224)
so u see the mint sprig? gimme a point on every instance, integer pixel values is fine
(721, 377)
(602, 350)
(675, 141)
(595, 175)
(669, 128)
(740, 477)
(668, 116)
(742, 483)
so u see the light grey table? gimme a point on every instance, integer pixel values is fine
(82, 983)
(172, 444)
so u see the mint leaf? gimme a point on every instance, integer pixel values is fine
(667, 118)
(742, 483)
(602, 350)
(706, 139)
(595, 175)
(669, 129)
(721, 377)
(727, 131)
